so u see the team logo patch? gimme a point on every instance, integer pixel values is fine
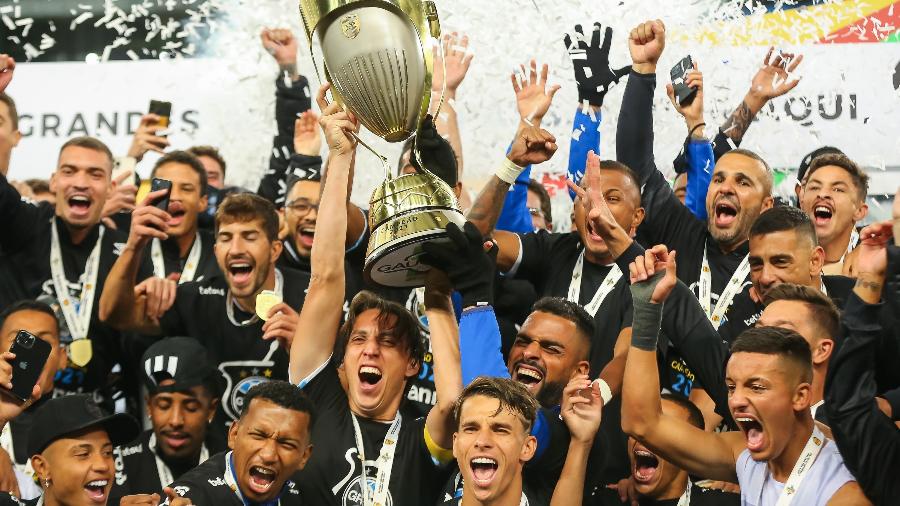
(353, 493)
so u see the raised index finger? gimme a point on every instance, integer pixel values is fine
(320, 96)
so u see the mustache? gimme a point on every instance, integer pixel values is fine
(532, 363)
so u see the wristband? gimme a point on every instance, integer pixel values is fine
(605, 391)
(508, 171)
(647, 315)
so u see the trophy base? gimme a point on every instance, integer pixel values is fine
(392, 259)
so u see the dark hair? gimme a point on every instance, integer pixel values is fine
(28, 305)
(243, 207)
(208, 151)
(184, 158)
(785, 343)
(859, 176)
(570, 311)
(13, 112)
(511, 394)
(804, 164)
(38, 185)
(623, 169)
(695, 417)
(282, 394)
(783, 218)
(769, 180)
(824, 312)
(404, 326)
(89, 143)
(546, 208)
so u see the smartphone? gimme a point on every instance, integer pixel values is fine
(163, 110)
(161, 184)
(31, 355)
(684, 93)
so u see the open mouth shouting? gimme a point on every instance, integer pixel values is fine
(79, 205)
(261, 479)
(530, 375)
(369, 378)
(645, 465)
(305, 236)
(484, 470)
(97, 490)
(176, 212)
(822, 214)
(240, 271)
(753, 430)
(725, 213)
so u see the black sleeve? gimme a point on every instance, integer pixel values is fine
(688, 329)
(666, 220)
(18, 219)
(289, 102)
(325, 390)
(893, 398)
(536, 257)
(172, 321)
(869, 442)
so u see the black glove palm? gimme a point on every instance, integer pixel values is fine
(469, 267)
(437, 154)
(593, 75)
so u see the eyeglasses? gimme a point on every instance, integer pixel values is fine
(302, 207)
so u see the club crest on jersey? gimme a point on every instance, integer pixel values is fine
(353, 493)
(240, 377)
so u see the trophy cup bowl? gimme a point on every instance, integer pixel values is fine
(377, 58)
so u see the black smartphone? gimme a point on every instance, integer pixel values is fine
(683, 93)
(161, 184)
(163, 110)
(31, 355)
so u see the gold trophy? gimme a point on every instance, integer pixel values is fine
(377, 58)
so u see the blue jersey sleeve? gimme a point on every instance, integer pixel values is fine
(700, 168)
(479, 344)
(514, 216)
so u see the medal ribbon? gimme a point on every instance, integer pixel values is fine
(190, 265)
(231, 481)
(685, 499)
(385, 462)
(165, 474)
(229, 302)
(609, 282)
(734, 287)
(803, 464)
(77, 314)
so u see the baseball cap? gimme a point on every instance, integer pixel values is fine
(180, 359)
(66, 415)
(807, 160)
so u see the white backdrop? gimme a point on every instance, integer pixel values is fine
(227, 99)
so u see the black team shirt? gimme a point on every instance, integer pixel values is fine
(244, 359)
(137, 471)
(333, 474)
(173, 263)
(207, 484)
(25, 237)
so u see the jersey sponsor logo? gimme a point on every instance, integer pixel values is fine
(181, 490)
(353, 495)
(218, 482)
(127, 451)
(119, 463)
(422, 395)
(211, 290)
(118, 248)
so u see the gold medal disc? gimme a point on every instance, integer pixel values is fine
(264, 302)
(81, 351)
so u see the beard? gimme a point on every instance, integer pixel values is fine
(551, 393)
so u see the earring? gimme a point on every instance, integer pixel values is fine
(47, 483)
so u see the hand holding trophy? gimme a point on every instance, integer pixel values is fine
(377, 57)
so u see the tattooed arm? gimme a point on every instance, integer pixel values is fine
(771, 81)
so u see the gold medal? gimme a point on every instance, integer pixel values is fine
(264, 303)
(81, 351)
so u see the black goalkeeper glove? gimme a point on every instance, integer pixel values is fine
(593, 75)
(469, 267)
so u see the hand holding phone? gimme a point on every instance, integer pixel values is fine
(30, 356)
(164, 111)
(684, 93)
(161, 184)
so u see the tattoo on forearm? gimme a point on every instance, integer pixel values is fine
(486, 208)
(869, 285)
(738, 123)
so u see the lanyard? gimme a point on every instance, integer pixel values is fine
(685, 499)
(77, 314)
(734, 287)
(385, 462)
(231, 481)
(6, 442)
(190, 266)
(165, 474)
(854, 240)
(229, 302)
(612, 277)
(804, 463)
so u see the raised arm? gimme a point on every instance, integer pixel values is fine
(700, 453)
(321, 313)
(868, 440)
(123, 306)
(455, 59)
(581, 410)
